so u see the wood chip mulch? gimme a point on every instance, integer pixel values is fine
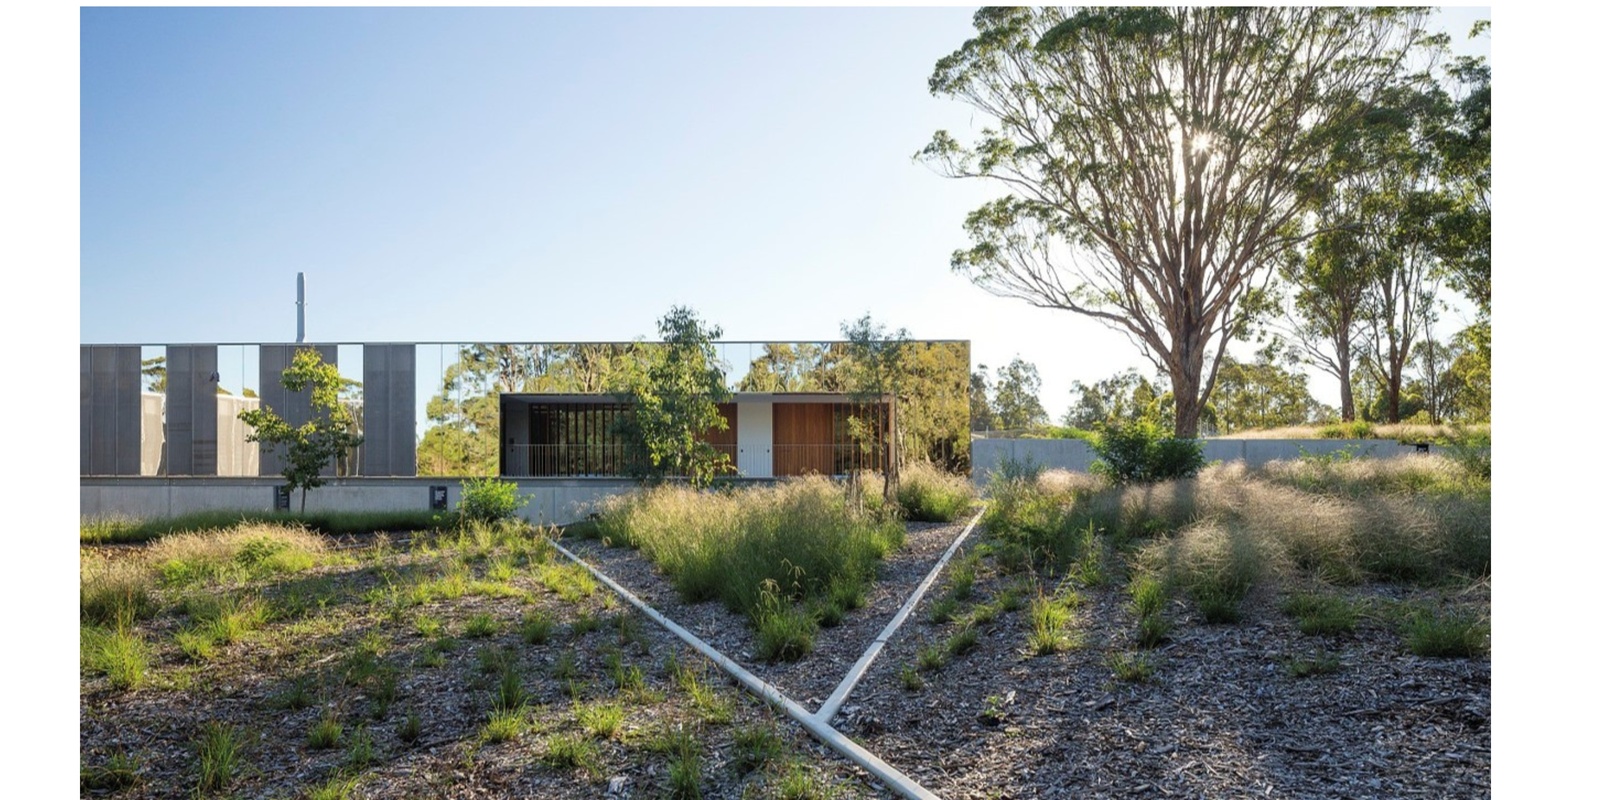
(1220, 717)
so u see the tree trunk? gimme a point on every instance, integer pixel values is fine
(1393, 391)
(1347, 398)
(1187, 377)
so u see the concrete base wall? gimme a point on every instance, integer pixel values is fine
(1075, 455)
(551, 500)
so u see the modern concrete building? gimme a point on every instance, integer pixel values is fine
(769, 434)
(159, 431)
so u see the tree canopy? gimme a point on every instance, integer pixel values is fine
(330, 433)
(1158, 161)
(674, 402)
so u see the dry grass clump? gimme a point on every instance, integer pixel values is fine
(1217, 563)
(1417, 520)
(247, 550)
(1405, 432)
(802, 536)
(1359, 477)
(927, 493)
(1066, 483)
(112, 591)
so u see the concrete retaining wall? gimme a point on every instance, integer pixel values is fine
(551, 500)
(1074, 454)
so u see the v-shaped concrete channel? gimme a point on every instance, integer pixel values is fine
(817, 724)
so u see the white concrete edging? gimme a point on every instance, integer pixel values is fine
(896, 780)
(857, 672)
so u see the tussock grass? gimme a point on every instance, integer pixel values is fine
(118, 653)
(219, 752)
(927, 493)
(801, 536)
(572, 751)
(1050, 619)
(1405, 432)
(481, 626)
(123, 529)
(119, 771)
(1360, 477)
(1321, 614)
(505, 724)
(1217, 564)
(326, 734)
(1131, 667)
(601, 720)
(1320, 663)
(245, 552)
(754, 747)
(1436, 633)
(712, 707)
(114, 590)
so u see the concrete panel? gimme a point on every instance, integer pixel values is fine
(109, 394)
(295, 407)
(85, 408)
(551, 500)
(152, 445)
(235, 455)
(191, 410)
(389, 392)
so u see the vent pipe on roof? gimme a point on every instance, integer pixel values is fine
(300, 307)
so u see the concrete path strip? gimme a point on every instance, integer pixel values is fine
(857, 672)
(896, 780)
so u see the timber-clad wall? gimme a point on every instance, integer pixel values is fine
(796, 425)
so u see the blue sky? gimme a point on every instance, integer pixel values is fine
(536, 175)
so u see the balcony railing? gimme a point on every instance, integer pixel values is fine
(596, 460)
(611, 460)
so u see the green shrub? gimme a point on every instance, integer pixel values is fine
(927, 493)
(1142, 452)
(489, 500)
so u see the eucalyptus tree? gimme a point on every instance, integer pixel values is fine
(1155, 160)
(1016, 396)
(980, 411)
(673, 400)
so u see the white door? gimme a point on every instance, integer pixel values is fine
(755, 440)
